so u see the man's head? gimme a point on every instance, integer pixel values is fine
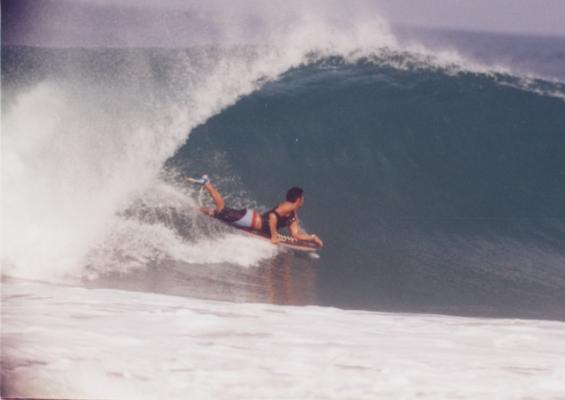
(295, 194)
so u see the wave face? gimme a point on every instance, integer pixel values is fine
(432, 190)
(436, 183)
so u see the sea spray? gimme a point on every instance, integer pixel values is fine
(93, 131)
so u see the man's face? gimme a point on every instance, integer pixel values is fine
(301, 201)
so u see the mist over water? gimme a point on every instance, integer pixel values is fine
(435, 180)
(539, 56)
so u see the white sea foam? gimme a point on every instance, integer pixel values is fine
(65, 342)
(133, 244)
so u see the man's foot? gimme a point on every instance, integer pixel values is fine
(203, 180)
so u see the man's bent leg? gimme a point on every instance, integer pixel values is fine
(216, 196)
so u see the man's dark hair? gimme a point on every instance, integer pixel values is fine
(293, 194)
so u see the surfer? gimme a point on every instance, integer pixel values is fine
(284, 215)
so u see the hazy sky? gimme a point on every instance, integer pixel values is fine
(545, 17)
(151, 22)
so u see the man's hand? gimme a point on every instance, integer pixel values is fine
(275, 239)
(317, 240)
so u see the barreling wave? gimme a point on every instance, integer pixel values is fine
(433, 189)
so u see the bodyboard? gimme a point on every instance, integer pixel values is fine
(287, 241)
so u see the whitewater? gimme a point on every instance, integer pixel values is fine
(70, 342)
(114, 287)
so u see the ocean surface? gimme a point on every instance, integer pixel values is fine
(433, 165)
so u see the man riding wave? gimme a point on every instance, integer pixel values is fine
(281, 216)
